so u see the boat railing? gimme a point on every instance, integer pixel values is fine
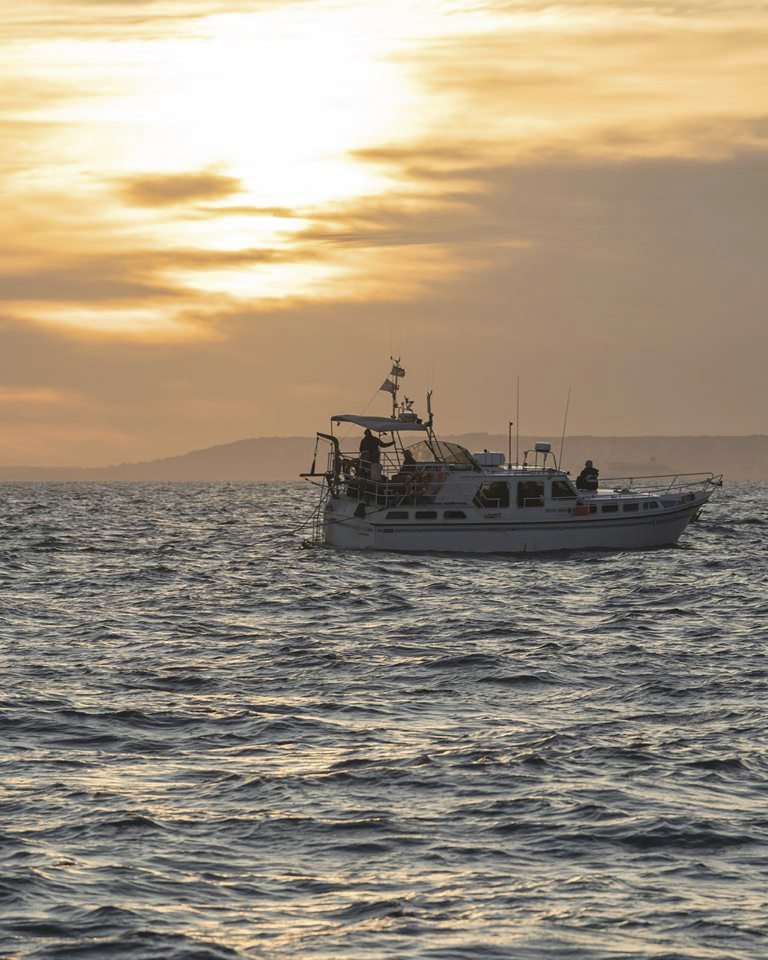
(389, 482)
(662, 484)
(389, 464)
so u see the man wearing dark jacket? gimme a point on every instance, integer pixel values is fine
(587, 479)
(370, 447)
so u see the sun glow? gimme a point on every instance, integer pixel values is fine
(278, 100)
(277, 104)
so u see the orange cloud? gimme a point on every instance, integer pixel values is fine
(35, 396)
(154, 190)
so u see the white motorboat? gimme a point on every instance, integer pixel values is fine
(425, 494)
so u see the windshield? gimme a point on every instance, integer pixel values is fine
(438, 451)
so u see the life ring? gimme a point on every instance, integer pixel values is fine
(416, 483)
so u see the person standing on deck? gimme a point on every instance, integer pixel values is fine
(370, 454)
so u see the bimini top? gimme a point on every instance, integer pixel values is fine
(380, 424)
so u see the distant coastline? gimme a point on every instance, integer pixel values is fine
(284, 458)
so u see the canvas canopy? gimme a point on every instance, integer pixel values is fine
(379, 424)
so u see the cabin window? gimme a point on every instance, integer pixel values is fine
(561, 490)
(652, 505)
(610, 508)
(397, 515)
(530, 493)
(438, 451)
(455, 515)
(426, 514)
(494, 493)
(631, 507)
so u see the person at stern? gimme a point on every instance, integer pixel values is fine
(370, 455)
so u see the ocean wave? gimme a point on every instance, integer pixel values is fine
(218, 745)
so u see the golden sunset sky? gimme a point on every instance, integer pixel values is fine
(220, 219)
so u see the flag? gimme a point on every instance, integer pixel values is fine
(388, 386)
(397, 371)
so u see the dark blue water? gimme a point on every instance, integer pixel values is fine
(216, 744)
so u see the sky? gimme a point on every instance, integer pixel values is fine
(220, 220)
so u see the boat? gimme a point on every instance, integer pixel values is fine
(424, 494)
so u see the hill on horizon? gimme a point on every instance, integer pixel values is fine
(284, 458)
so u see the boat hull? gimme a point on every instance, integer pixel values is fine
(344, 530)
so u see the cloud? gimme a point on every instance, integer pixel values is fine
(94, 19)
(85, 279)
(158, 190)
(247, 210)
(34, 396)
(527, 77)
(140, 294)
(639, 7)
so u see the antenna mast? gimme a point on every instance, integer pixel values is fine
(565, 420)
(396, 374)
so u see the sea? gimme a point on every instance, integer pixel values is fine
(218, 743)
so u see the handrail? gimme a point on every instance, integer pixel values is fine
(665, 482)
(666, 476)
